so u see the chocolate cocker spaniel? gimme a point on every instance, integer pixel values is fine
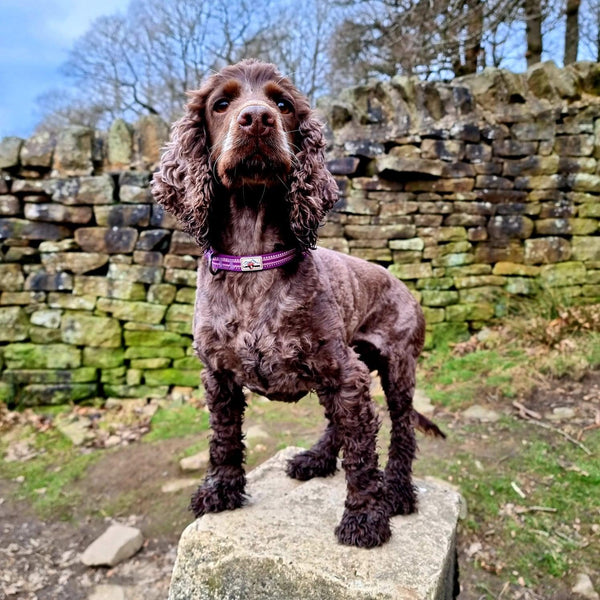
(245, 174)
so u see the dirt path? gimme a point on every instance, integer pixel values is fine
(40, 558)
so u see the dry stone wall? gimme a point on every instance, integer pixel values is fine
(473, 192)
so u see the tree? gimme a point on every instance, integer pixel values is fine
(571, 31)
(533, 31)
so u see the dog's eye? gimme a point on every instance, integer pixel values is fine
(285, 107)
(221, 105)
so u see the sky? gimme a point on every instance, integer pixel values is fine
(35, 36)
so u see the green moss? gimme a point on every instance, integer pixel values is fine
(177, 421)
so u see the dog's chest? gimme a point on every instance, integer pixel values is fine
(269, 346)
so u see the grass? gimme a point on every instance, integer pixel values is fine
(177, 421)
(48, 478)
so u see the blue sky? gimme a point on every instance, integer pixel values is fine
(35, 36)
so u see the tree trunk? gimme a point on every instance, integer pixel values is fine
(474, 35)
(572, 31)
(533, 31)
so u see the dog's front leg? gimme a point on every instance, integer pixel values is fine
(365, 522)
(223, 488)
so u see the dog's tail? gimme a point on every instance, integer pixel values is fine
(426, 426)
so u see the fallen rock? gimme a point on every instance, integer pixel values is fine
(116, 544)
(107, 592)
(422, 403)
(77, 431)
(256, 432)
(175, 485)
(480, 413)
(584, 588)
(561, 412)
(197, 462)
(281, 546)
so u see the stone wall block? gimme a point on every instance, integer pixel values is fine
(73, 152)
(122, 215)
(38, 150)
(10, 148)
(111, 240)
(86, 330)
(120, 145)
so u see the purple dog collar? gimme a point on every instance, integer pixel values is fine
(261, 262)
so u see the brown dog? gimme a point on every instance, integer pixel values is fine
(245, 174)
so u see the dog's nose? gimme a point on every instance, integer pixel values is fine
(256, 119)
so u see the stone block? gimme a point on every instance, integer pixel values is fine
(182, 277)
(508, 268)
(10, 147)
(174, 352)
(586, 248)
(439, 298)
(488, 253)
(523, 286)
(136, 391)
(161, 218)
(38, 150)
(142, 312)
(48, 317)
(470, 281)
(73, 152)
(9, 205)
(116, 544)
(41, 394)
(155, 338)
(148, 259)
(137, 273)
(104, 358)
(528, 131)
(120, 144)
(159, 377)
(115, 375)
(180, 312)
(75, 262)
(149, 134)
(154, 239)
(108, 288)
(218, 558)
(120, 215)
(36, 356)
(49, 376)
(42, 280)
(470, 312)
(457, 185)
(186, 295)
(86, 330)
(111, 240)
(43, 335)
(414, 244)
(150, 363)
(510, 148)
(11, 278)
(346, 165)
(453, 259)
(182, 243)
(58, 213)
(14, 325)
(550, 249)
(21, 298)
(563, 274)
(574, 145)
(84, 190)
(585, 182)
(583, 226)
(22, 229)
(486, 294)
(411, 271)
(161, 293)
(389, 164)
(71, 301)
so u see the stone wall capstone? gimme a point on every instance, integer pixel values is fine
(473, 192)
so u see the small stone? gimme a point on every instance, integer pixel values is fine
(176, 485)
(77, 431)
(256, 432)
(196, 462)
(422, 402)
(9, 152)
(583, 587)
(480, 413)
(116, 544)
(107, 592)
(562, 412)
(73, 152)
(46, 318)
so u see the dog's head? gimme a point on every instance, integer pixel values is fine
(246, 127)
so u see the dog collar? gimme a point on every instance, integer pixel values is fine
(225, 262)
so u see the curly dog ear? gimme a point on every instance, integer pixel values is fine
(313, 190)
(184, 183)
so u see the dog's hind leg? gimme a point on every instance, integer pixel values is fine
(398, 382)
(321, 459)
(223, 488)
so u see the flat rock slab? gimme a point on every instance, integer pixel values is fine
(117, 543)
(281, 546)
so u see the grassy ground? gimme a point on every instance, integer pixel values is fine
(530, 478)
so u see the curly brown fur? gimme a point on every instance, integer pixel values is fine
(245, 174)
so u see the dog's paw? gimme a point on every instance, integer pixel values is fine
(307, 465)
(401, 497)
(364, 529)
(217, 496)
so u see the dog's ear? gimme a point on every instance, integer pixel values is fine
(184, 184)
(313, 190)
